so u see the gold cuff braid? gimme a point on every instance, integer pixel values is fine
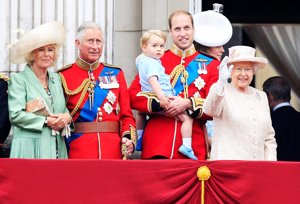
(133, 134)
(150, 96)
(197, 104)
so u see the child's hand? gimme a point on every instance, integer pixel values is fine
(164, 102)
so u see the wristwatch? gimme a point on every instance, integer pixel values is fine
(46, 122)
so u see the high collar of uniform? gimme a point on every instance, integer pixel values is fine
(87, 66)
(183, 53)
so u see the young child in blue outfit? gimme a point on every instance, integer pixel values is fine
(154, 79)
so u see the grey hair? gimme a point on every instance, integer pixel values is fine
(87, 25)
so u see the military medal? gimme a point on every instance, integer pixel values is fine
(108, 108)
(111, 97)
(202, 68)
(108, 82)
(199, 83)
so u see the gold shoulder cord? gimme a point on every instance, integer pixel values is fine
(83, 87)
(176, 73)
(175, 76)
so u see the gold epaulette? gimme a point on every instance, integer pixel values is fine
(110, 65)
(65, 67)
(4, 77)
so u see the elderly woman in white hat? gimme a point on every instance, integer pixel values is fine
(243, 127)
(36, 101)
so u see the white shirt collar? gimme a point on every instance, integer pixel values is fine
(281, 105)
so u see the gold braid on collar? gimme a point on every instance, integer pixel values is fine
(87, 66)
(183, 53)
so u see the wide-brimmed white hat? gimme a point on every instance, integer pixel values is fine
(246, 54)
(212, 28)
(48, 33)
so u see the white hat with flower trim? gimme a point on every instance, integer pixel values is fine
(246, 54)
(48, 33)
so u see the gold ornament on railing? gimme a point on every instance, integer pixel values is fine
(203, 175)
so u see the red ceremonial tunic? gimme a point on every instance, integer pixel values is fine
(162, 135)
(111, 103)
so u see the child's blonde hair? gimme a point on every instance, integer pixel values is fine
(148, 34)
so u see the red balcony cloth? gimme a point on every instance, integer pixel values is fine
(146, 181)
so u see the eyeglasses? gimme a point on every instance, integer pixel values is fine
(245, 69)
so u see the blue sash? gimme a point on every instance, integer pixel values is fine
(192, 69)
(87, 115)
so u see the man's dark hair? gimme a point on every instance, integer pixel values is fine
(278, 87)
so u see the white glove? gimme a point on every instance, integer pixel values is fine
(224, 74)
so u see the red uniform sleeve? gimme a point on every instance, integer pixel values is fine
(143, 103)
(126, 116)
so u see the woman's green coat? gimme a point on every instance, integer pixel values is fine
(31, 138)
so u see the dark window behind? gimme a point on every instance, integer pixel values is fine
(258, 11)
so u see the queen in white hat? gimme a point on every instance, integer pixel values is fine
(243, 127)
(36, 101)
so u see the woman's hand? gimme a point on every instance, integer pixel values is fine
(224, 74)
(58, 121)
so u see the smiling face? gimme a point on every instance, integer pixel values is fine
(44, 57)
(90, 46)
(242, 75)
(155, 47)
(182, 31)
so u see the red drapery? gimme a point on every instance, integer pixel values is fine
(25, 181)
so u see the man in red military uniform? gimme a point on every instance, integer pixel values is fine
(191, 75)
(98, 100)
